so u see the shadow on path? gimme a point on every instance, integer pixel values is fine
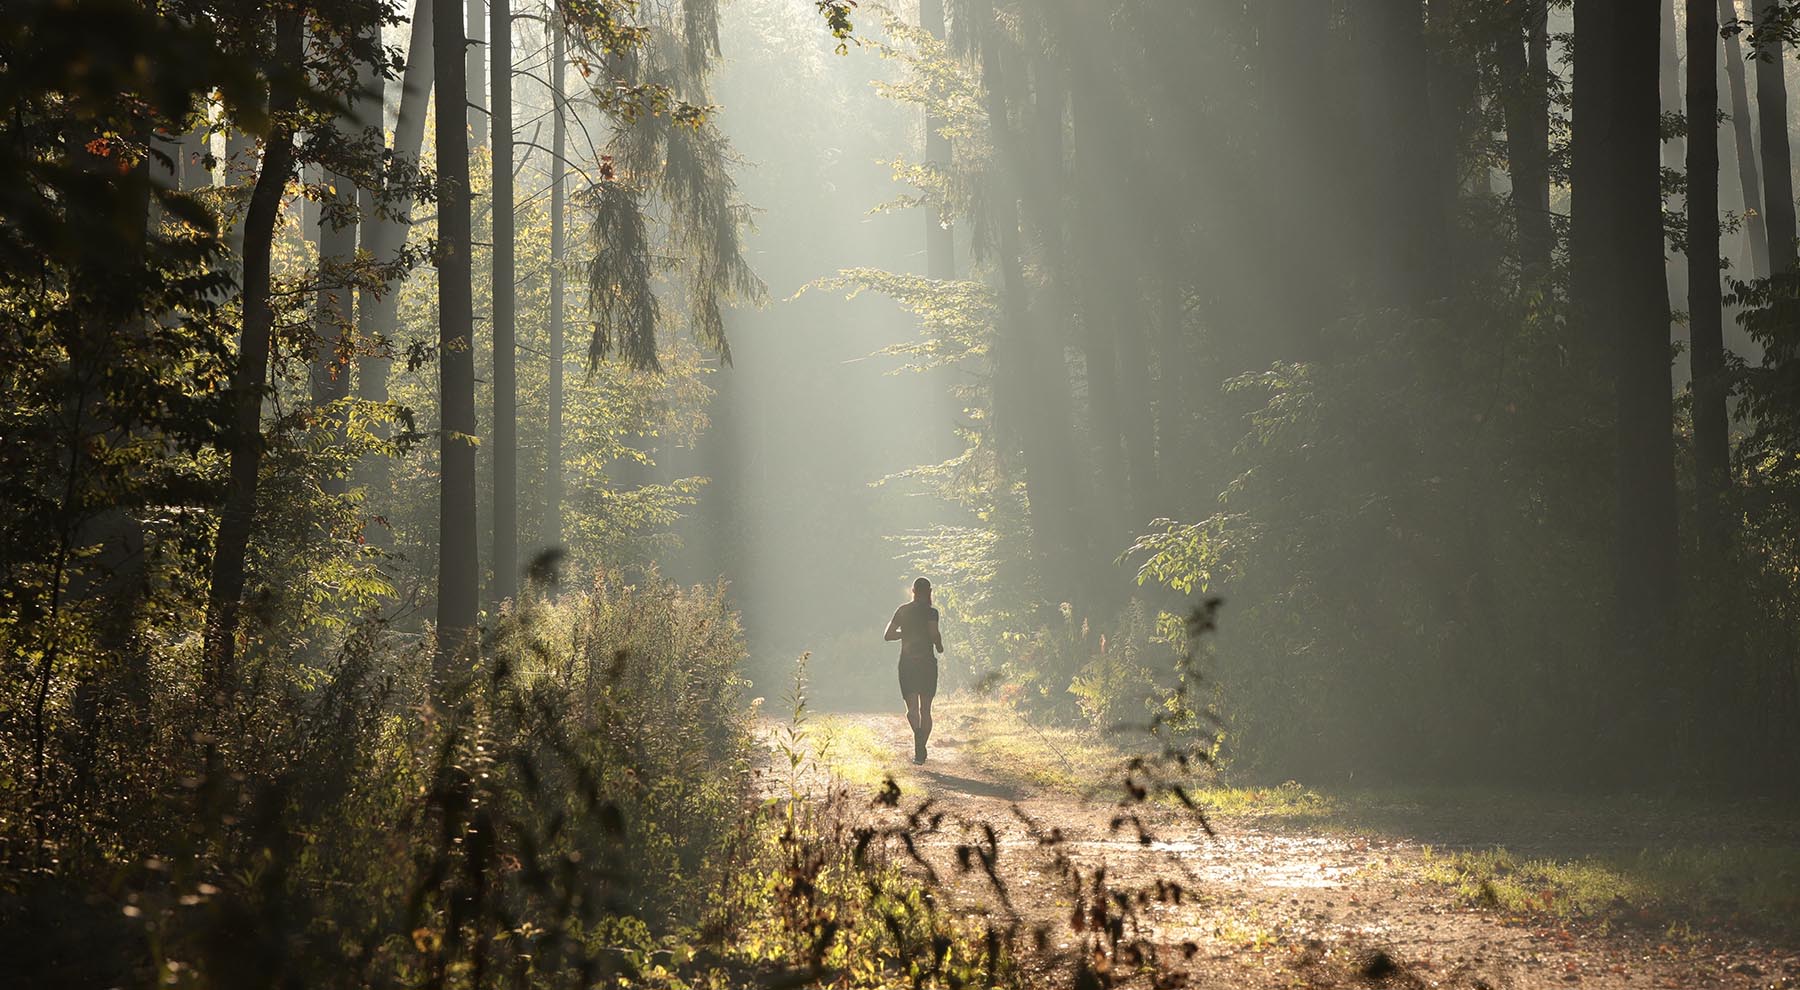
(970, 786)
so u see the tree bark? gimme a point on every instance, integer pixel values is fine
(1674, 150)
(1669, 85)
(1772, 119)
(1172, 365)
(1755, 229)
(333, 325)
(250, 379)
(238, 169)
(1705, 303)
(1527, 109)
(195, 145)
(310, 175)
(1401, 159)
(458, 580)
(1619, 272)
(553, 466)
(506, 387)
(383, 237)
(474, 74)
(1031, 413)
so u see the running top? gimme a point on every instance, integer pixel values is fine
(914, 619)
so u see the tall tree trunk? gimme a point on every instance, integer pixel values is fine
(333, 336)
(383, 237)
(1705, 306)
(195, 146)
(1452, 96)
(1135, 417)
(250, 378)
(1772, 119)
(1674, 150)
(239, 169)
(1030, 399)
(1089, 278)
(506, 387)
(458, 576)
(1669, 85)
(1527, 109)
(553, 466)
(1755, 228)
(1172, 367)
(1401, 158)
(1619, 271)
(311, 175)
(474, 73)
(940, 240)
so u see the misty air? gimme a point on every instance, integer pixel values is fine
(880, 494)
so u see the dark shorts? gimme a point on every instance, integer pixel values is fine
(918, 675)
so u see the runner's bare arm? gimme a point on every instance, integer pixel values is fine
(893, 629)
(937, 638)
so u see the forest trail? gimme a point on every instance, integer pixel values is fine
(1264, 905)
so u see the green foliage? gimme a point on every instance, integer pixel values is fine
(1754, 884)
(666, 153)
(1382, 520)
(956, 318)
(573, 807)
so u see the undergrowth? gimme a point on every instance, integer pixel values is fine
(1752, 885)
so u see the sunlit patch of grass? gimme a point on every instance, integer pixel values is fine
(853, 753)
(1496, 878)
(1003, 744)
(1007, 746)
(1289, 800)
(1757, 884)
(1248, 931)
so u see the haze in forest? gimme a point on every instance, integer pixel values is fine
(462, 460)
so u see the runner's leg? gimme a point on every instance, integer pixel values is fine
(912, 712)
(924, 717)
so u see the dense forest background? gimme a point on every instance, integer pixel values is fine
(428, 427)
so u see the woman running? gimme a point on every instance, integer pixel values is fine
(915, 625)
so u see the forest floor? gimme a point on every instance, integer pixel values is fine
(1297, 888)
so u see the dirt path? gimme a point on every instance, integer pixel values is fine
(1271, 906)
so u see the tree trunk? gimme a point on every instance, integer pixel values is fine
(506, 387)
(1172, 367)
(195, 145)
(940, 239)
(1411, 263)
(239, 169)
(1030, 399)
(474, 74)
(1452, 100)
(311, 176)
(1527, 107)
(1669, 85)
(1619, 271)
(553, 466)
(333, 336)
(1090, 279)
(250, 379)
(1755, 229)
(1135, 416)
(1705, 305)
(1772, 120)
(1674, 150)
(458, 582)
(383, 238)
